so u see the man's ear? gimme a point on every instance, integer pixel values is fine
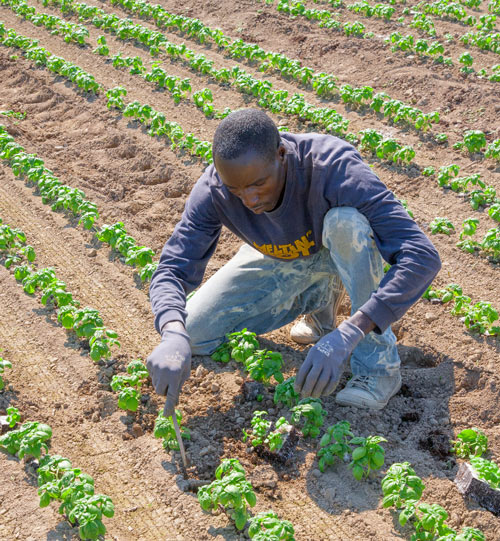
(281, 153)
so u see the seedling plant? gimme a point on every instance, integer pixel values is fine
(401, 486)
(487, 470)
(441, 225)
(129, 386)
(28, 440)
(368, 456)
(311, 409)
(164, 428)
(59, 481)
(284, 393)
(268, 526)
(402, 489)
(262, 435)
(4, 363)
(13, 416)
(470, 442)
(334, 445)
(231, 491)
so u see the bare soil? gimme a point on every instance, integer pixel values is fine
(451, 377)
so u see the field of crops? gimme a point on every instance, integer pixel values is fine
(107, 113)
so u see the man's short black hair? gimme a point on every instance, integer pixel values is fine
(243, 130)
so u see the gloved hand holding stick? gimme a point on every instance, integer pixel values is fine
(169, 366)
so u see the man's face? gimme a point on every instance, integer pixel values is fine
(259, 183)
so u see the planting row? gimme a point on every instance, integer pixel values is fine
(323, 84)
(276, 101)
(63, 197)
(384, 148)
(85, 322)
(57, 479)
(434, 50)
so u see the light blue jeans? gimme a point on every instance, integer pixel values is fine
(262, 293)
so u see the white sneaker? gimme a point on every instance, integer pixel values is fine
(371, 392)
(311, 327)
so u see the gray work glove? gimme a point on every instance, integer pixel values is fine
(321, 371)
(169, 366)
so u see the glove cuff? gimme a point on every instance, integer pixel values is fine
(168, 332)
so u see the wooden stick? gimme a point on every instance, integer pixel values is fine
(179, 441)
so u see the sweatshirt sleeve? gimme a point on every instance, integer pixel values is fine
(185, 256)
(414, 260)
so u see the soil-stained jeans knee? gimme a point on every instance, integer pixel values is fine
(349, 239)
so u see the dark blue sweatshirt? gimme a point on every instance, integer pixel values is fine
(323, 172)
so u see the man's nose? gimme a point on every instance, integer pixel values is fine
(250, 197)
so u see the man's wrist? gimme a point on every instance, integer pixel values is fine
(362, 321)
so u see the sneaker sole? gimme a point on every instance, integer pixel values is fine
(369, 404)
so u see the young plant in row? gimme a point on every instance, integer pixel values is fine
(402, 489)
(470, 442)
(267, 526)
(262, 435)
(493, 150)
(478, 317)
(161, 127)
(102, 48)
(401, 486)
(385, 148)
(334, 445)
(262, 365)
(486, 470)
(13, 416)
(4, 363)
(49, 186)
(86, 322)
(129, 386)
(285, 394)
(231, 491)
(473, 141)
(117, 237)
(164, 429)
(29, 440)
(441, 225)
(18, 115)
(55, 64)
(59, 481)
(240, 345)
(311, 410)
(69, 31)
(368, 456)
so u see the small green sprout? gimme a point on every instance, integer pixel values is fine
(401, 486)
(285, 394)
(334, 444)
(267, 526)
(367, 457)
(13, 416)
(470, 442)
(487, 470)
(314, 414)
(3, 365)
(231, 491)
(441, 225)
(164, 428)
